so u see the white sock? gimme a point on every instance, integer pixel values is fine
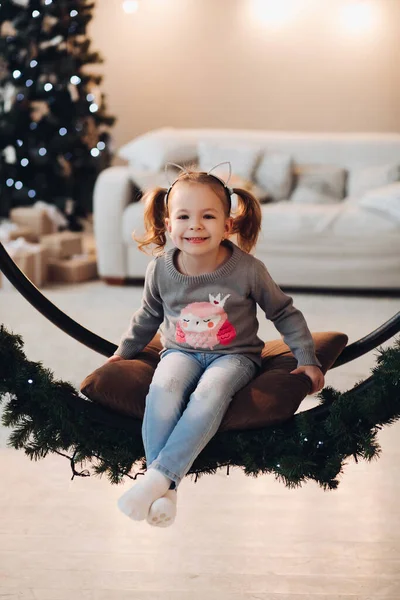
(162, 512)
(136, 502)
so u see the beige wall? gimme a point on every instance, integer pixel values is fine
(209, 63)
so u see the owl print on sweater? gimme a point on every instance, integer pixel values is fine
(205, 324)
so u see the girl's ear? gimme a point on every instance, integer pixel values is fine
(167, 224)
(228, 225)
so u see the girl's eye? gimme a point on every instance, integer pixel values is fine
(187, 216)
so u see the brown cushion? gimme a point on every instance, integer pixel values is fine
(272, 397)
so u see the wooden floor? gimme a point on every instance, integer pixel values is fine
(235, 537)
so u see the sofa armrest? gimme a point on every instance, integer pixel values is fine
(112, 193)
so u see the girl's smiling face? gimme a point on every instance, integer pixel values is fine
(197, 220)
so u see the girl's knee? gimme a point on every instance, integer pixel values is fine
(208, 401)
(211, 391)
(170, 383)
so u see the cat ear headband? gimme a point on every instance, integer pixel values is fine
(228, 190)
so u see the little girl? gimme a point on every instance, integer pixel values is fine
(204, 292)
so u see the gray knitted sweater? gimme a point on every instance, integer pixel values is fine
(215, 312)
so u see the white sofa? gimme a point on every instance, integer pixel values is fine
(350, 243)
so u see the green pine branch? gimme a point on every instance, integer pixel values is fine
(48, 415)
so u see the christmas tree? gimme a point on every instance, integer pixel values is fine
(54, 128)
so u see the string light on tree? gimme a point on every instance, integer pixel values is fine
(10, 155)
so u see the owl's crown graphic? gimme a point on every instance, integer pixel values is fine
(205, 324)
(217, 299)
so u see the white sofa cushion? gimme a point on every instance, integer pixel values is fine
(280, 222)
(243, 158)
(154, 149)
(306, 195)
(385, 201)
(328, 180)
(275, 175)
(364, 179)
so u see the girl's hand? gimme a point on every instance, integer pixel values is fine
(114, 358)
(314, 373)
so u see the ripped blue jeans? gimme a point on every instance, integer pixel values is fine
(186, 402)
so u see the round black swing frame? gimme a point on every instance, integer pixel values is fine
(51, 312)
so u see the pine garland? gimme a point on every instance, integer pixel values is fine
(49, 415)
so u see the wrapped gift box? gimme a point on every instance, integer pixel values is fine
(63, 244)
(26, 233)
(11, 231)
(72, 270)
(89, 244)
(37, 219)
(30, 258)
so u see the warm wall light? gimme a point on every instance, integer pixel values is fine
(358, 17)
(274, 12)
(130, 6)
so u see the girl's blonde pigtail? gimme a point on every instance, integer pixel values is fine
(154, 221)
(246, 220)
